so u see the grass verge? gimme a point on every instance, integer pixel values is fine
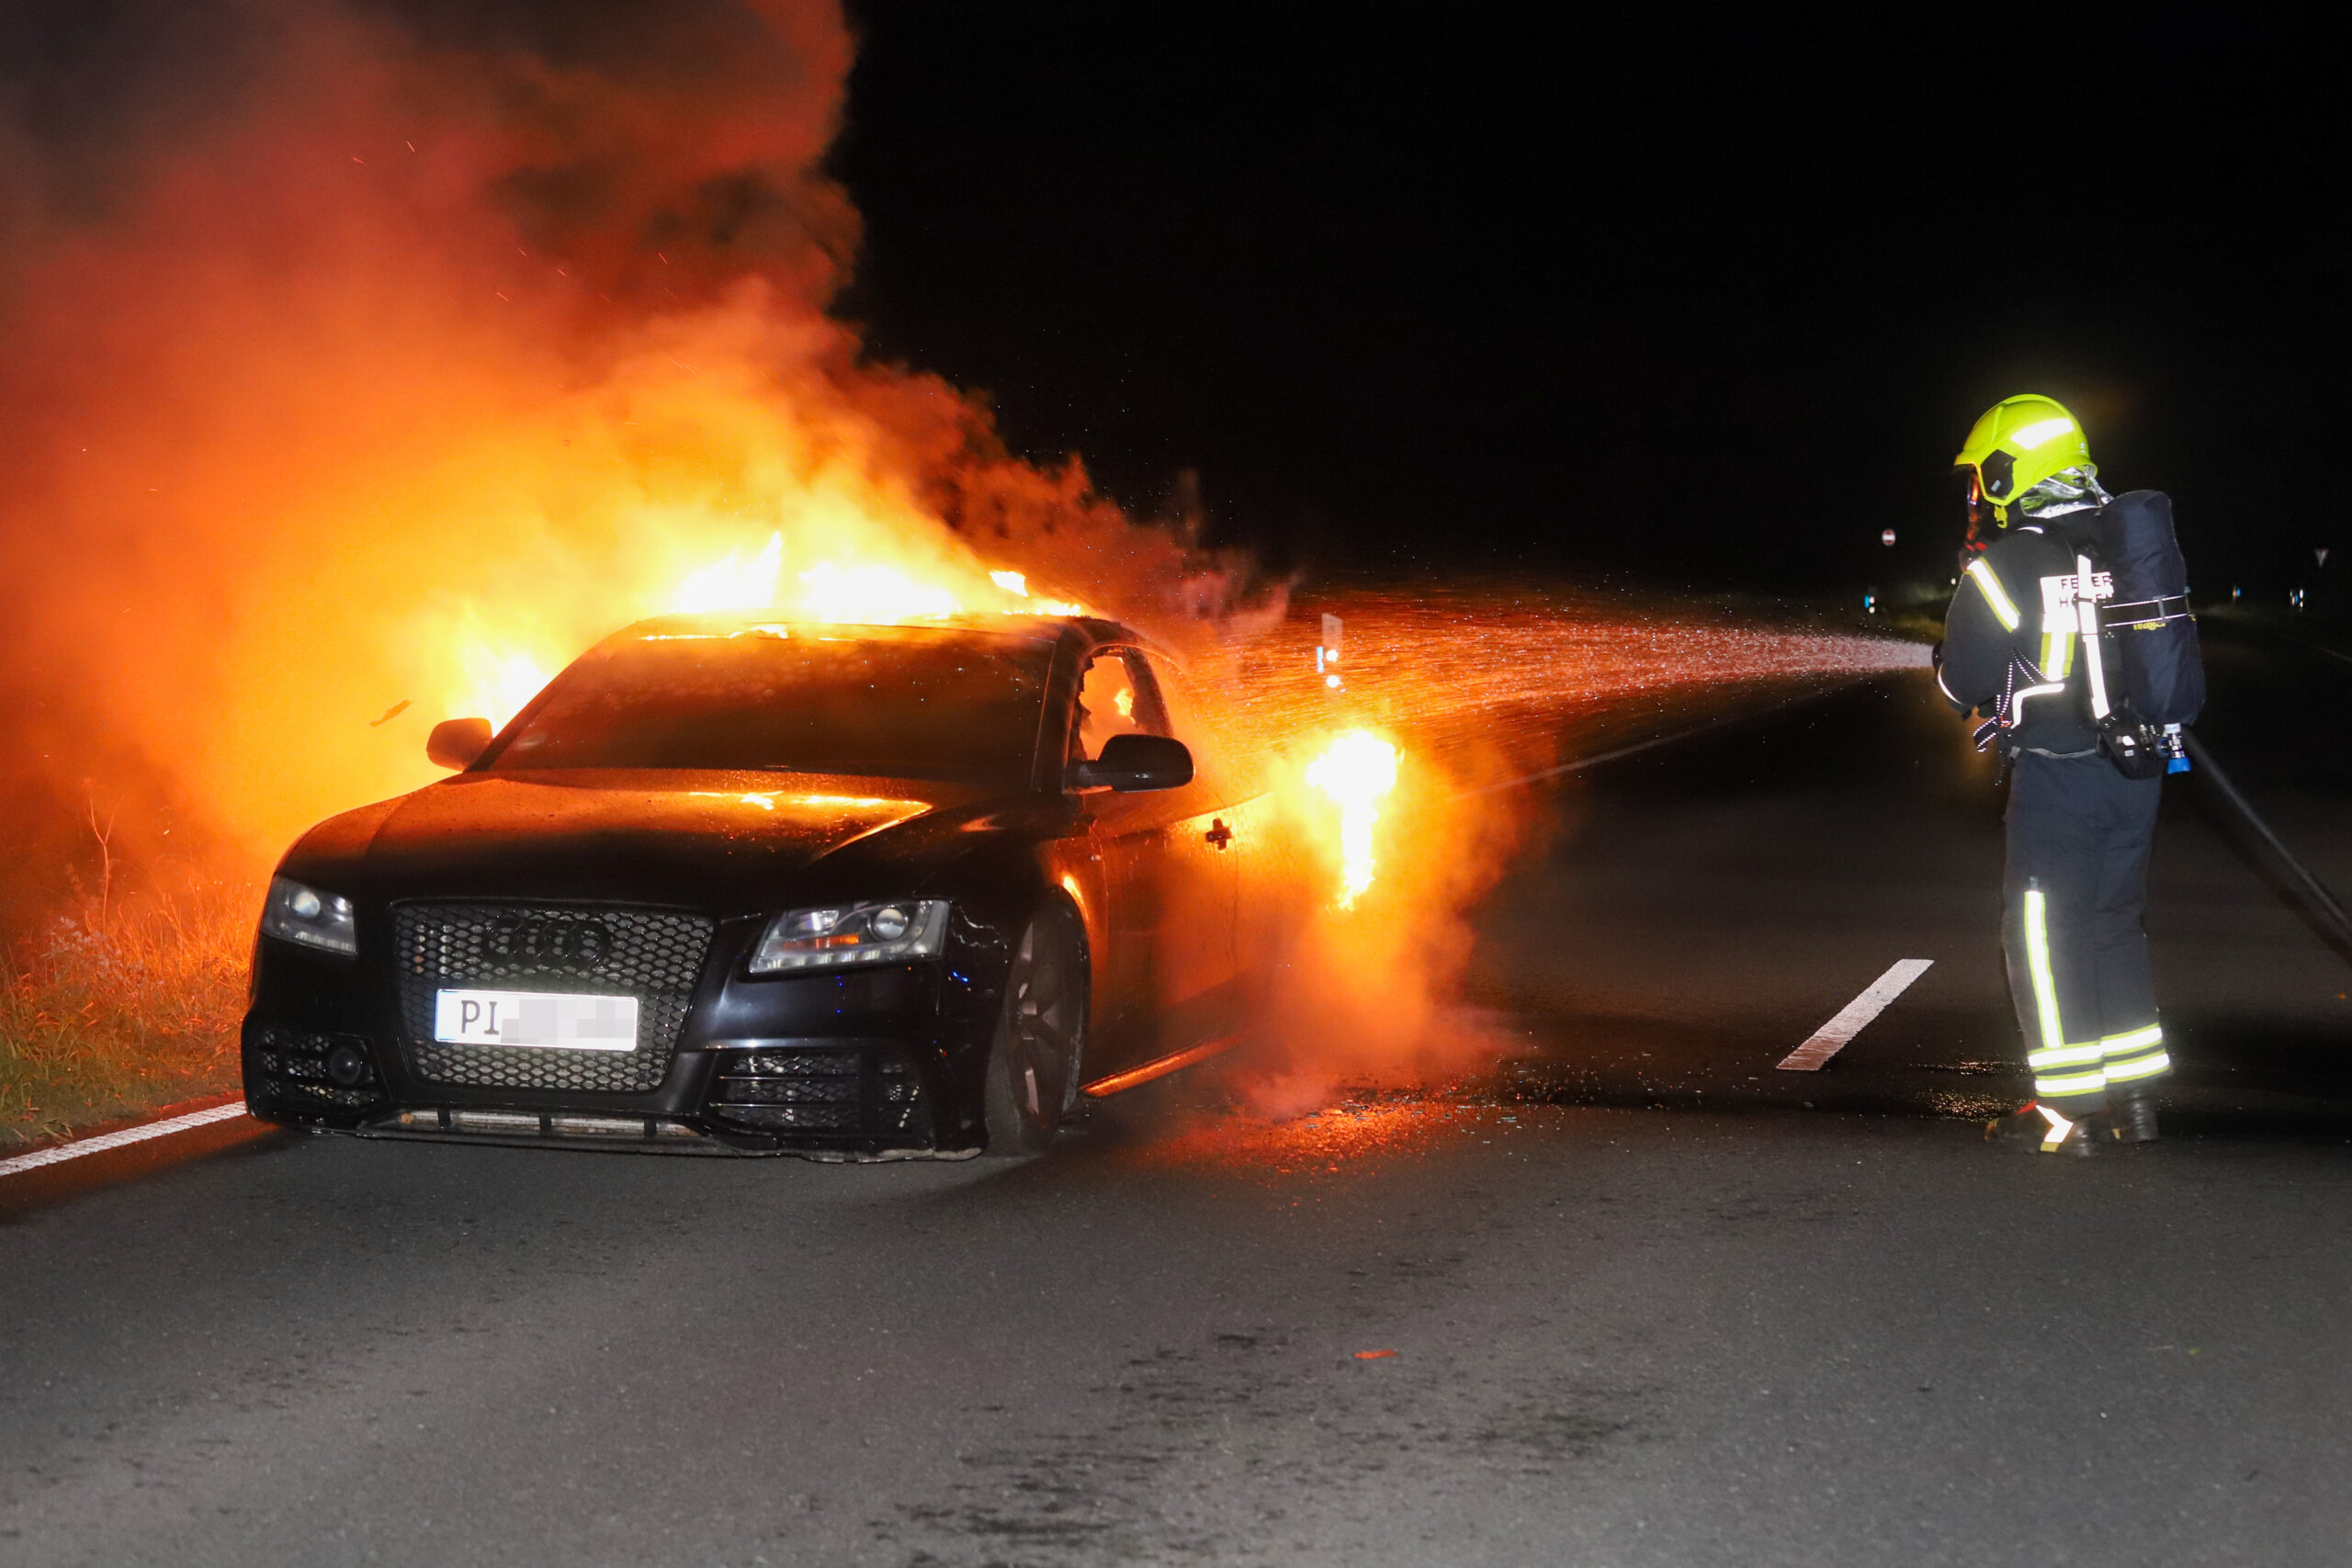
(118, 1013)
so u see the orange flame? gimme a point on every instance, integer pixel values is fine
(728, 584)
(504, 683)
(495, 676)
(872, 595)
(1356, 772)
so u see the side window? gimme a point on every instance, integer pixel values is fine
(1206, 727)
(1117, 697)
(1179, 715)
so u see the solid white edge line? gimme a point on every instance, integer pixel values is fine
(1831, 1037)
(58, 1153)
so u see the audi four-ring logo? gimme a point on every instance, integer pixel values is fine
(526, 936)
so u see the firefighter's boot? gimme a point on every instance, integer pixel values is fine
(2042, 1130)
(2135, 1116)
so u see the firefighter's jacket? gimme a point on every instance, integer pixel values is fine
(2004, 640)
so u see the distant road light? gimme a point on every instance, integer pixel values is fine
(1886, 537)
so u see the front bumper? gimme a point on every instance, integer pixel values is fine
(845, 1099)
(883, 1063)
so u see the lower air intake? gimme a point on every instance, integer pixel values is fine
(859, 1091)
(300, 1069)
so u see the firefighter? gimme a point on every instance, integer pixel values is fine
(2025, 647)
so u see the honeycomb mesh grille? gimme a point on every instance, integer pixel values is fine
(657, 958)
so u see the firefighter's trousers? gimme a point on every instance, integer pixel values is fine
(2077, 878)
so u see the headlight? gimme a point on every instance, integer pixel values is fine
(889, 932)
(304, 915)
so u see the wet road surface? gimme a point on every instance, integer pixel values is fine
(1646, 1304)
(1712, 899)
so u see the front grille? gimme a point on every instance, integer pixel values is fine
(873, 1090)
(297, 1067)
(657, 958)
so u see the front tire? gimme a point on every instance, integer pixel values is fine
(1040, 1043)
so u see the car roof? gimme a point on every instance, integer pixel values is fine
(1046, 629)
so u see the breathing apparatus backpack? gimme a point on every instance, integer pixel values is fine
(2160, 683)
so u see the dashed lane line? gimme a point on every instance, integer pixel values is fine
(1831, 1037)
(57, 1153)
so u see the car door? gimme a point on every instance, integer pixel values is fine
(1271, 876)
(1169, 880)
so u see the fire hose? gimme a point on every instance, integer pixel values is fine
(2313, 890)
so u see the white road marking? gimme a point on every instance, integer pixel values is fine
(2318, 646)
(1582, 763)
(128, 1136)
(1831, 1037)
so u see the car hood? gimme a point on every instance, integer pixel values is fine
(701, 840)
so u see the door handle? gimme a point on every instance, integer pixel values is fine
(1219, 834)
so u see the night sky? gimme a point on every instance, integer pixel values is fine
(1694, 298)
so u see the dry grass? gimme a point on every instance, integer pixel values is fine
(121, 1011)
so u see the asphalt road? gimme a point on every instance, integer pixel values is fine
(1649, 1301)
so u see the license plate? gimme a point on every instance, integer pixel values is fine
(555, 1020)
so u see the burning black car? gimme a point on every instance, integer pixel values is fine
(732, 883)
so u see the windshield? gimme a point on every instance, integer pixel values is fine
(889, 701)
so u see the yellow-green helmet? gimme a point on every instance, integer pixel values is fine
(2016, 445)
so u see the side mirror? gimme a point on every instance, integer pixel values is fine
(1132, 762)
(457, 742)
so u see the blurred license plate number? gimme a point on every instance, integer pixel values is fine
(548, 1020)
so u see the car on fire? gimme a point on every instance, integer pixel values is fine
(742, 885)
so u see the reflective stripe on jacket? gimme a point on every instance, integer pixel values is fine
(1999, 638)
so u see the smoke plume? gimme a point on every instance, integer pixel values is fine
(371, 354)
